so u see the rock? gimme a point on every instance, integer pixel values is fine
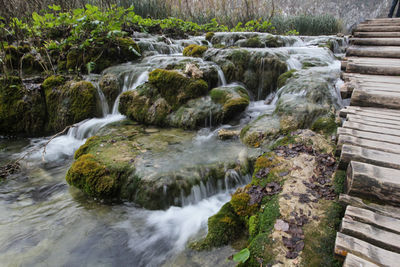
(193, 71)
(22, 110)
(194, 50)
(68, 102)
(111, 87)
(234, 99)
(281, 225)
(224, 134)
(154, 169)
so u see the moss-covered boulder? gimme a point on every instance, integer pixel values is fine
(111, 87)
(155, 168)
(21, 58)
(234, 99)
(103, 53)
(69, 102)
(194, 50)
(22, 111)
(259, 70)
(209, 36)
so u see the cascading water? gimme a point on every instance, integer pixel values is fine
(43, 221)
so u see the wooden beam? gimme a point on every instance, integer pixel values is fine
(370, 128)
(375, 236)
(367, 155)
(385, 210)
(356, 141)
(369, 217)
(369, 136)
(354, 261)
(371, 181)
(347, 244)
(373, 51)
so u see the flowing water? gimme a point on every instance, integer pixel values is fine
(44, 222)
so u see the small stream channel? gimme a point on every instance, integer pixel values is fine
(45, 222)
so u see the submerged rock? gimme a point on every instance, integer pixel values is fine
(156, 168)
(110, 86)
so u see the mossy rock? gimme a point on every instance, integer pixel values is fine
(223, 228)
(253, 42)
(209, 36)
(285, 76)
(17, 58)
(111, 87)
(103, 53)
(69, 102)
(325, 125)
(194, 50)
(240, 204)
(234, 100)
(22, 111)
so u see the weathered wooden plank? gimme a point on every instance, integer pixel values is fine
(390, 139)
(374, 121)
(375, 236)
(367, 180)
(371, 98)
(376, 41)
(393, 112)
(356, 141)
(369, 217)
(371, 78)
(345, 91)
(372, 28)
(361, 34)
(373, 51)
(347, 244)
(372, 68)
(383, 114)
(371, 129)
(385, 210)
(367, 155)
(354, 261)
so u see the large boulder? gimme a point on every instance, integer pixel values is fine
(69, 102)
(22, 110)
(111, 87)
(155, 168)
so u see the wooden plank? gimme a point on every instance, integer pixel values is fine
(372, 68)
(369, 217)
(373, 51)
(356, 141)
(374, 121)
(367, 155)
(372, 78)
(372, 28)
(367, 180)
(375, 236)
(360, 34)
(390, 139)
(371, 98)
(385, 210)
(347, 244)
(354, 261)
(381, 114)
(393, 112)
(371, 129)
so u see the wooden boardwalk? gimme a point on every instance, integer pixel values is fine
(369, 146)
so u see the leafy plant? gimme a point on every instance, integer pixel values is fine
(242, 256)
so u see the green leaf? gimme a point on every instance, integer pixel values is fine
(242, 256)
(90, 66)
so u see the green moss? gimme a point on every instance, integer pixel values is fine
(218, 95)
(325, 125)
(253, 42)
(307, 65)
(85, 148)
(240, 204)
(260, 248)
(320, 238)
(244, 131)
(53, 82)
(209, 36)
(176, 88)
(92, 177)
(339, 181)
(282, 79)
(194, 50)
(223, 228)
(286, 140)
(253, 226)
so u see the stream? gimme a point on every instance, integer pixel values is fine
(45, 222)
